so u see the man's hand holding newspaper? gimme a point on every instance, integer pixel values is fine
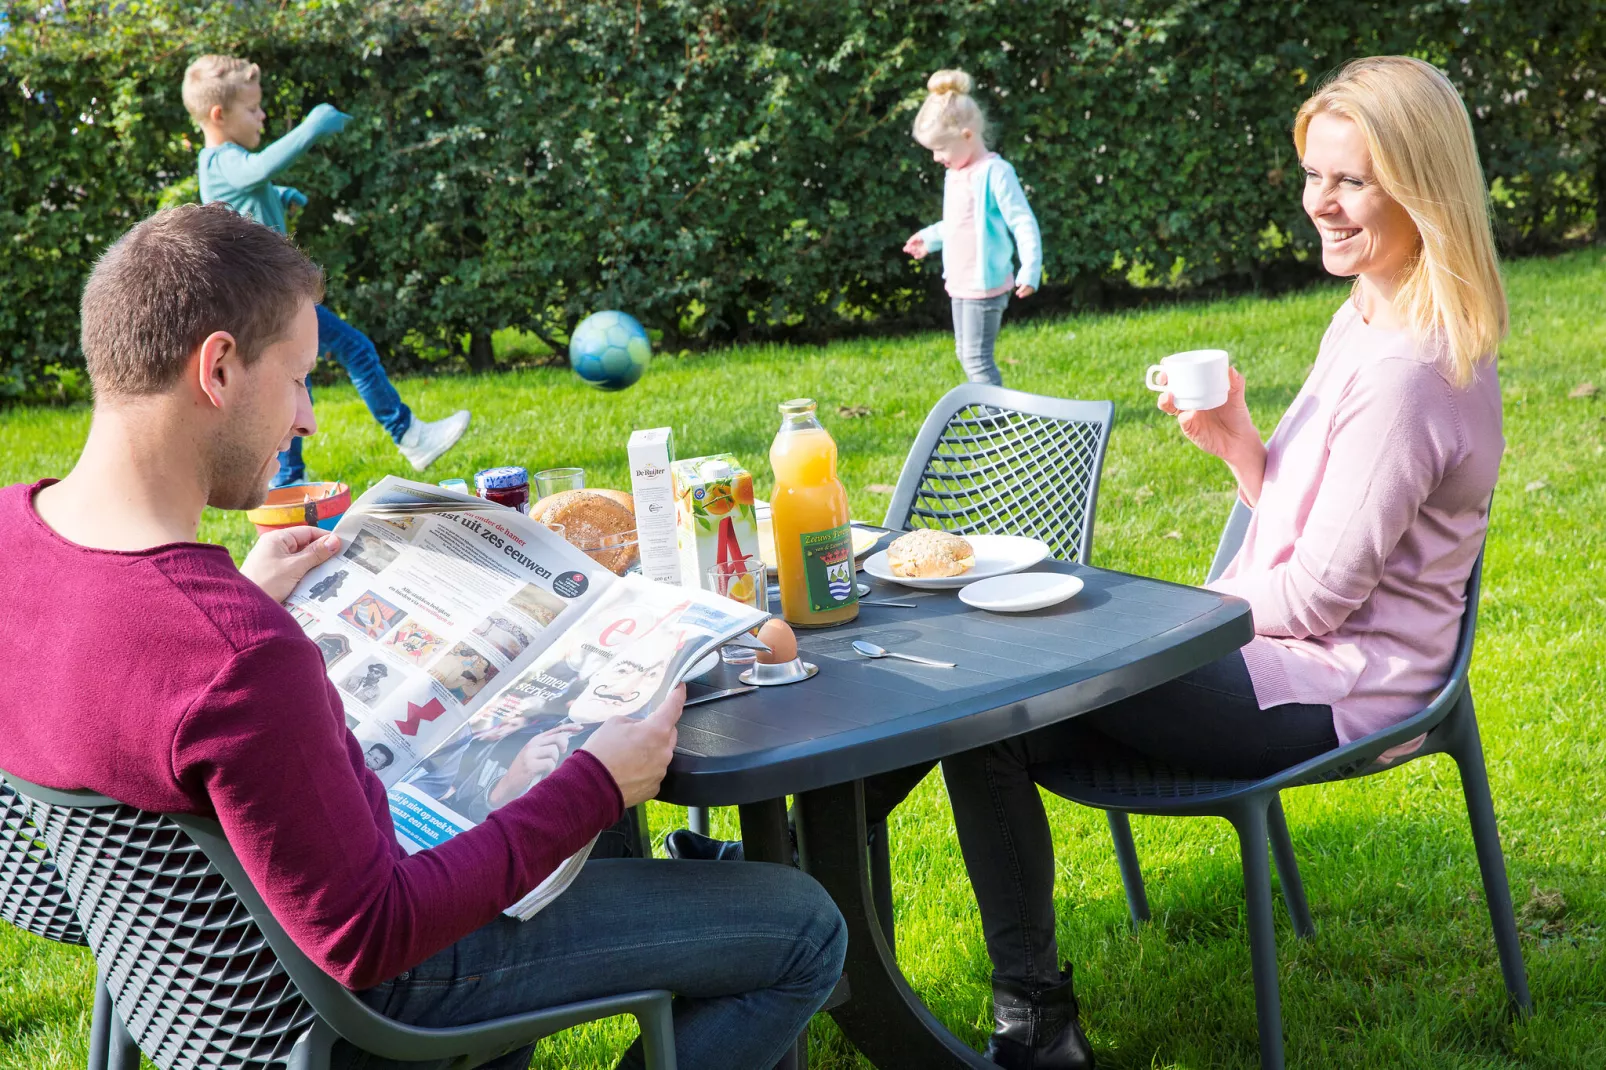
(636, 752)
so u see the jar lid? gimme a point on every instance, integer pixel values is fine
(503, 478)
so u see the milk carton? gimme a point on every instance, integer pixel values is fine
(714, 519)
(651, 453)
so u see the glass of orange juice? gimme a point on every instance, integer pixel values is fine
(741, 579)
(809, 517)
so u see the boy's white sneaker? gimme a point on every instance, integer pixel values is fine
(425, 442)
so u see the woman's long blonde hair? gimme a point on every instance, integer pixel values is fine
(1424, 157)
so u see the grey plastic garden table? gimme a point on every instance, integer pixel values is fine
(820, 739)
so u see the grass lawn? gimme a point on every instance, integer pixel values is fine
(1402, 971)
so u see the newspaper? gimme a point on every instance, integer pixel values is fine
(474, 649)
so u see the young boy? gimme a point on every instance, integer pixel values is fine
(224, 96)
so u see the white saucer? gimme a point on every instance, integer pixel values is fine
(996, 555)
(1020, 592)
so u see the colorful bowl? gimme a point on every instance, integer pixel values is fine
(319, 504)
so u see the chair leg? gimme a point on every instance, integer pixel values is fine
(657, 1026)
(1126, 858)
(101, 1018)
(641, 829)
(1252, 833)
(1282, 850)
(124, 1052)
(1468, 755)
(881, 882)
(312, 1048)
(697, 819)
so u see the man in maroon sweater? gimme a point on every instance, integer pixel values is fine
(159, 674)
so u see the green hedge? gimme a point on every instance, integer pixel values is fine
(728, 170)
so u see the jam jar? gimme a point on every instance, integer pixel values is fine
(508, 485)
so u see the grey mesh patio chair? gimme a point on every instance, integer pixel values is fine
(34, 899)
(991, 461)
(203, 975)
(1255, 809)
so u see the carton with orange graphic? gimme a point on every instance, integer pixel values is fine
(714, 519)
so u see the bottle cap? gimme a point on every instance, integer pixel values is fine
(504, 478)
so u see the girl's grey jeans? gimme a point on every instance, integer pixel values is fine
(976, 321)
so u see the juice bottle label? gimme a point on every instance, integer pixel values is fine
(828, 568)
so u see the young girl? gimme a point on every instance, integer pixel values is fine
(983, 208)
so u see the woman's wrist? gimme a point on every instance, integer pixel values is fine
(1247, 462)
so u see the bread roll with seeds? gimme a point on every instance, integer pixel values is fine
(930, 554)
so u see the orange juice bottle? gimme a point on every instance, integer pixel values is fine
(809, 516)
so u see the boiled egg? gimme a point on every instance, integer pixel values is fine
(782, 642)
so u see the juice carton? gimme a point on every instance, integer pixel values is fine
(714, 519)
(651, 453)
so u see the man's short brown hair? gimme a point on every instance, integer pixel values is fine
(177, 277)
(216, 80)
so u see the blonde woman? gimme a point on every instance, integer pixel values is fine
(985, 220)
(1371, 499)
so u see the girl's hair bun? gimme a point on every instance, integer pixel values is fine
(949, 110)
(950, 82)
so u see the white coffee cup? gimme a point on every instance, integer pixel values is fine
(1196, 379)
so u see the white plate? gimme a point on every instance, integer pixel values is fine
(1021, 592)
(996, 555)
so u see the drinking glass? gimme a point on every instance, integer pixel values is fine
(742, 580)
(618, 552)
(555, 480)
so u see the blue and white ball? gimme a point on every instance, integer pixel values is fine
(609, 350)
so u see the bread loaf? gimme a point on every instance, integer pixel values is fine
(594, 521)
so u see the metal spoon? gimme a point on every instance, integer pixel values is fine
(870, 650)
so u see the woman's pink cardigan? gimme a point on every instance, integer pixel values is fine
(1374, 506)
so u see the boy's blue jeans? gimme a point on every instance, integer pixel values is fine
(361, 360)
(750, 950)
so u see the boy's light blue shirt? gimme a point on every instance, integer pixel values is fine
(243, 179)
(1002, 214)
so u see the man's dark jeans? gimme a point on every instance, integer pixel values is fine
(750, 952)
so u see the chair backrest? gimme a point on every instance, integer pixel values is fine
(188, 968)
(1361, 756)
(32, 894)
(1232, 537)
(1002, 462)
(201, 972)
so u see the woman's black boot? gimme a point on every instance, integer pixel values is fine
(1038, 1028)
